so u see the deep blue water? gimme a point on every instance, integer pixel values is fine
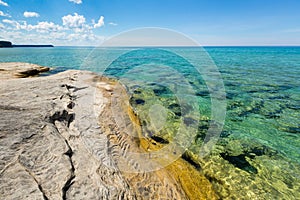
(258, 152)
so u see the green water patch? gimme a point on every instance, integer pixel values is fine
(160, 112)
(258, 150)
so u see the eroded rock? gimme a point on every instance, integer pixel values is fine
(59, 140)
(20, 70)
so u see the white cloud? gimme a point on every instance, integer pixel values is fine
(73, 30)
(11, 22)
(73, 21)
(45, 27)
(2, 3)
(41, 27)
(74, 1)
(85, 39)
(99, 23)
(113, 24)
(15, 25)
(55, 38)
(77, 23)
(2, 14)
(31, 14)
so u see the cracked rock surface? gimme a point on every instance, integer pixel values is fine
(48, 128)
(52, 145)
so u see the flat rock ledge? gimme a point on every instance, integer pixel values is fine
(59, 140)
(20, 70)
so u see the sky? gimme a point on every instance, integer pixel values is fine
(209, 22)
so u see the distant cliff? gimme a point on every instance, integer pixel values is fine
(7, 44)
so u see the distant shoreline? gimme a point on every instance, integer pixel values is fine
(7, 44)
(32, 46)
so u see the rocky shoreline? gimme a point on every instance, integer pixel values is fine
(60, 140)
(15, 70)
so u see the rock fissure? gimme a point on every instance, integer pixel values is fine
(36, 181)
(67, 118)
(62, 116)
(70, 181)
(68, 153)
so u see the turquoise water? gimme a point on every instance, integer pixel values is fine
(258, 152)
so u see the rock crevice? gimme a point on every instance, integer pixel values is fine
(38, 184)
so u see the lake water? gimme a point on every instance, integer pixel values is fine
(257, 154)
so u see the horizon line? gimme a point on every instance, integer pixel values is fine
(178, 46)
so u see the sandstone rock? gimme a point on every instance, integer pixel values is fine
(59, 140)
(20, 70)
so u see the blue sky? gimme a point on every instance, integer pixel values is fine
(210, 22)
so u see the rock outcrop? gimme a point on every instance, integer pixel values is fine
(59, 140)
(20, 70)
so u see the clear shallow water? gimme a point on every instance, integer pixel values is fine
(258, 153)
